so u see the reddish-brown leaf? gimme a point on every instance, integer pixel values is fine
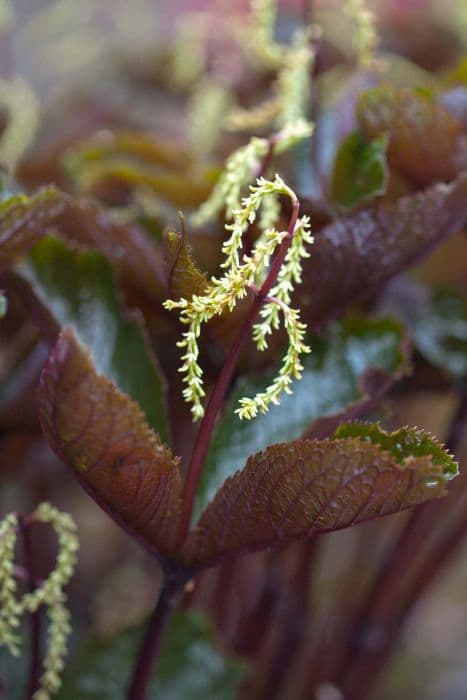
(355, 256)
(126, 246)
(295, 489)
(426, 143)
(103, 436)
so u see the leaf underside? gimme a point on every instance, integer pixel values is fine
(296, 489)
(103, 436)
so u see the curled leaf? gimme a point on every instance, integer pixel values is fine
(183, 276)
(403, 444)
(293, 490)
(356, 255)
(426, 143)
(360, 170)
(102, 435)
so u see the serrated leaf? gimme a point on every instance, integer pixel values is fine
(293, 490)
(103, 436)
(440, 333)
(183, 276)
(353, 362)
(426, 143)
(24, 220)
(79, 290)
(360, 170)
(190, 666)
(356, 255)
(404, 444)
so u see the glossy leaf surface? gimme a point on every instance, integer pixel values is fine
(79, 289)
(351, 363)
(441, 333)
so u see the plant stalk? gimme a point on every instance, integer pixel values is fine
(152, 640)
(216, 399)
(397, 586)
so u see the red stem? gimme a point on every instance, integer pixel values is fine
(216, 399)
(397, 586)
(152, 640)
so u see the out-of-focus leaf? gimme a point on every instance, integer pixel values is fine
(190, 666)
(3, 305)
(79, 290)
(138, 161)
(455, 101)
(360, 170)
(354, 363)
(178, 189)
(296, 489)
(405, 444)
(356, 255)
(426, 143)
(137, 145)
(183, 276)
(440, 333)
(131, 251)
(23, 220)
(103, 436)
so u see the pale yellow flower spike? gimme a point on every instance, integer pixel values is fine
(365, 37)
(50, 594)
(242, 273)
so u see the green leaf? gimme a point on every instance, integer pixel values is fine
(440, 333)
(190, 666)
(334, 379)
(297, 489)
(79, 289)
(102, 435)
(184, 279)
(24, 220)
(360, 170)
(3, 304)
(404, 444)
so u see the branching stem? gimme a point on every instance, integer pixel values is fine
(216, 399)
